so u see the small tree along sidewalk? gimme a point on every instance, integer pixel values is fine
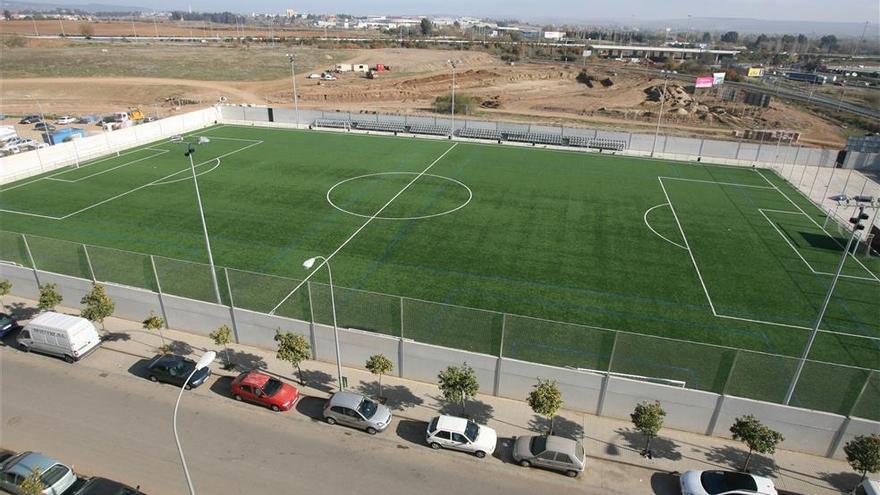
(647, 417)
(294, 349)
(379, 365)
(458, 384)
(98, 305)
(545, 399)
(223, 336)
(756, 436)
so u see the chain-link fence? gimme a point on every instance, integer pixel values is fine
(824, 386)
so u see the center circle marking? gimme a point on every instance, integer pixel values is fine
(470, 196)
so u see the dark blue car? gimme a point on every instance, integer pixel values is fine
(173, 369)
(7, 324)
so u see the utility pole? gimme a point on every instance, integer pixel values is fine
(292, 58)
(660, 116)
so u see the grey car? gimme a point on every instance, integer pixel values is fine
(351, 409)
(550, 452)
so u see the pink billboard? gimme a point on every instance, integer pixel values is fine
(704, 82)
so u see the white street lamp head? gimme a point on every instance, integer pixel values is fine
(839, 198)
(206, 359)
(309, 263)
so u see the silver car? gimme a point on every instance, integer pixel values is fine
(55, 477)
(351, 409)
(550, 452)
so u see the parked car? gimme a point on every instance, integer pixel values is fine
(56, 334)
(174, 369)
(29, 119)
(726, 482)
(550, 452)
(44, 126)
(56, 477)
(450, 432)
(7, 324)
(103, 486)
(259, 388)
(352, 409)
(65, 119)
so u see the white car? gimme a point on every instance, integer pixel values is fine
(725, 483)
(67, 119)
(56, 477)
(450, 432)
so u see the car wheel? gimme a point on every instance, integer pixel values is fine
(276, 408)
(525, 463)
(330, 420)
(571, 474)
(68, 358)
(24, 348)
(435, 445)
(188, 386)
(371, 430)
(153, 378)
(238, 398)
(480, 454)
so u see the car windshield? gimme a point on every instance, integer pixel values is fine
(5, 319)
(538, 445)
(367, 408)
(181, 368)
(722, 482)
(471, 431)
(272, 387)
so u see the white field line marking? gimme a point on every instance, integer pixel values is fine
(162, 183)
(658, 234)
(797, 252)
(31, 214)
(688, 247)
(873, 275)
(160, 152)
(154, 182)
(362, 227)
(715, 182)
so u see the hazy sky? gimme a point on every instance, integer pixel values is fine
(813, 10)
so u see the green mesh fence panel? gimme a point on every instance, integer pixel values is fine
(452, 326)
(362, 310)
(761, 376)
(828, 387)
(57, 256)
(258, 292)
(700, 366)
(122, 267)
(185, 279)
(868, 405)
(12, 249)
(557, 344)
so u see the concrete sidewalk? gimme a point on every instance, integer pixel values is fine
(611, 443)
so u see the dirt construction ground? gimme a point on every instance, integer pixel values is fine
(93, 78)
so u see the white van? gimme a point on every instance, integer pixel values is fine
(69, 337)
(867, 487)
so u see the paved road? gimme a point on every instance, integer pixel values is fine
(105, 419)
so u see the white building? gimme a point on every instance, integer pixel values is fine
(554, 35)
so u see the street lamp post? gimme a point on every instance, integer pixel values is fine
(857, 226)
(206, 359)
(307, 264)
(660, 116)
(292, 58)
(189, 153)
(42, 118)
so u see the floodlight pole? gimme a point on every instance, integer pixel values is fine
(206, 359)
(452, 128)
(42, 119)
(660, 116)
(292, 57)
(192, 166)
(809, 346)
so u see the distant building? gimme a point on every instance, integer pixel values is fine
(290, 13)
(554, 35)
(864, 144)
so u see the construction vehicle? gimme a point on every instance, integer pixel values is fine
(136, 115)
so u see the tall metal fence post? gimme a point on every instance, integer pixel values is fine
(31, 258)
(700, 151)
(312, 338)
(89, 262)
(400, 350)
(841, 432)
(498, 362)
(231, 305)
(601, 405)
(719, 404)
(159, 289)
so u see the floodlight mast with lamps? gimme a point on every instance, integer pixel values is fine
(292, 58)
(308, 264)
(42, 118)
(857, 227)
(189, 154)
(660, 116)
(206, 359)
(453, 64)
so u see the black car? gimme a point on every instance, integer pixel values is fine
(29, 119)
(173, 369)
(7, 324)
(43, 126)
(103, 486)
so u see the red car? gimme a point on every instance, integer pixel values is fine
(259, 388)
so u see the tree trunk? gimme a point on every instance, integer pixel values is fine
(380, 384)
(161, 336)
(299, 372)
(648, 443)
(226, 350)
(462, 407)
(550, 430)
(748, 458)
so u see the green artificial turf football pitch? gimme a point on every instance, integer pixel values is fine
(729, 256)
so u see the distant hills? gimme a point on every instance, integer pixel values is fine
(85, 7)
